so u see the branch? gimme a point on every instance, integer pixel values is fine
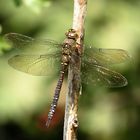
(74, 86)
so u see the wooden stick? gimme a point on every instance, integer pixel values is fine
(74, 82)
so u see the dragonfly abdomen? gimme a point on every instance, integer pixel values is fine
(55, 98)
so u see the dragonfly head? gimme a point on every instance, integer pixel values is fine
(71, 34)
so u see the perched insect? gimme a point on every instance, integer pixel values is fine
(38, 57)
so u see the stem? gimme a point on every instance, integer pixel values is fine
(74, 84)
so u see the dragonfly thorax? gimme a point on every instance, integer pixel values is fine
(66, 53)
(69, 45)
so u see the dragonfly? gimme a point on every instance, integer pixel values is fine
(39, 57)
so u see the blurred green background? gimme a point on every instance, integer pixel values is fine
(104, 114)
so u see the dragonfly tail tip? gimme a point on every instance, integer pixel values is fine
(48, 123)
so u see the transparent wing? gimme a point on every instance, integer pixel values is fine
(99, 75)
(24, 42)
(101, 56)
(38, 65)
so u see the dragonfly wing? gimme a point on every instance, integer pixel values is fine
(101, 56)
(99, 75)
(24, 42)
(38, 65)
(18, 40)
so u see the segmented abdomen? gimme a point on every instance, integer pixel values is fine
(56, 97)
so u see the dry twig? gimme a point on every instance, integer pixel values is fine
(74, 86)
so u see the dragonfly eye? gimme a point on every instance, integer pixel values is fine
(72, 34)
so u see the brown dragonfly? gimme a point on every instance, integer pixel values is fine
(39, 57)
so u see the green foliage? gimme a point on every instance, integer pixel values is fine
(17, 2)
